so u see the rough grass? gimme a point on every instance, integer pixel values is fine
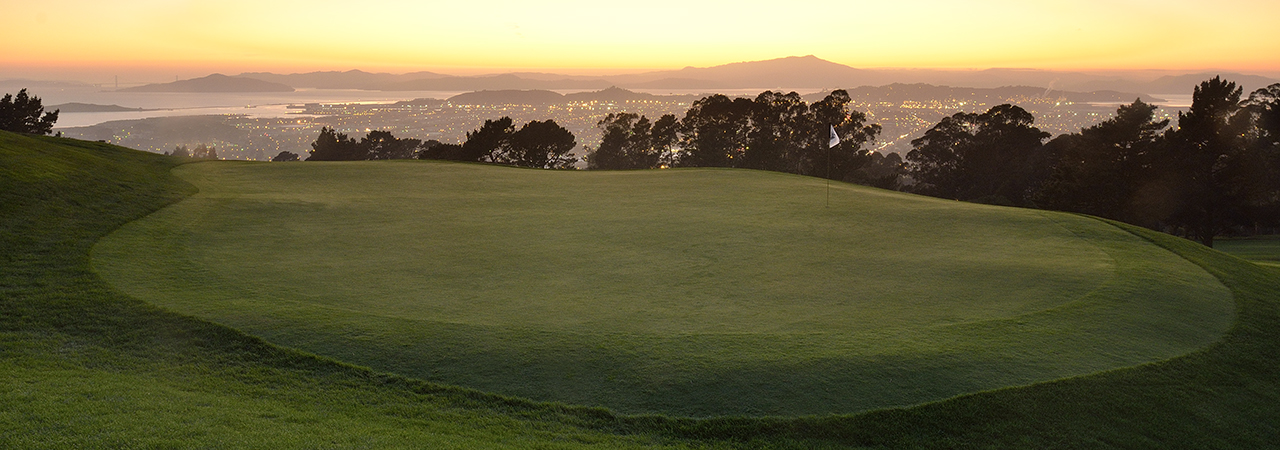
(695, 293)
(82, 366)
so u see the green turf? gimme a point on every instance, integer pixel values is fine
(690, 292)
(1264, 250)
(82, 366)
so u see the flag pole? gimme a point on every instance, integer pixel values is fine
(832, 142)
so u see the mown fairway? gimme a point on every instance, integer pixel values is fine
(1264, 250)
(691, 292)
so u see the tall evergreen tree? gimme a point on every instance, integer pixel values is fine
(986, 157)
(334, 146)
(543, 145)
(847, 159)
(1264, 106)
(1101, 170)
(632, 142)
(1217, 175)
(489, 142)
(25, 114)
(713, 133)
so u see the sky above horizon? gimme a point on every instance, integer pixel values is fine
(164, 39)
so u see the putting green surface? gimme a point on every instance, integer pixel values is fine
(686, 292)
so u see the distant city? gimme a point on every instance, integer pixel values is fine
(904, 112)
(905, 103)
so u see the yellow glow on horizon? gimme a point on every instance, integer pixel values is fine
(610, 37)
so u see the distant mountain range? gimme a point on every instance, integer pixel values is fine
(894, 93)
(898, 93)
(76, 107)
(796, 72)
(351, 79)
(545, 97)
(214, 83)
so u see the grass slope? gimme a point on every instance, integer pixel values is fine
(696, 293)
(1264, 250)
(82, 366)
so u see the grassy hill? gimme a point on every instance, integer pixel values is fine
(84, 366)
(688, 292)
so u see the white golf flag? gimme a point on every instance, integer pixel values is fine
(835, 138)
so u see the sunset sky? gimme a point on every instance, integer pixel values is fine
(163, 39)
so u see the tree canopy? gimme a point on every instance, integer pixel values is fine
(778, 132)
(539, 144)
(633, 142)
(285, 156)
(1209, 156)
(334, 146)
(542, 145)
(984, 157)
(1107, 169)
(24, 114)
(1214, 172)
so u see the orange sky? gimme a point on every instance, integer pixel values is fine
(167, 38)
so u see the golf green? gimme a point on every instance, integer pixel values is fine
(685, 292)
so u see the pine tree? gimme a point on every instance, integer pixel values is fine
(24, 114)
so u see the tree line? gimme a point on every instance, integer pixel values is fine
(773, 131)
(1215, 171)
(537, 144)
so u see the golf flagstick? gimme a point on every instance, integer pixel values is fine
(832, 142)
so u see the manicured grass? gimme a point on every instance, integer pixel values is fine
(83, 366)
(1264, 250)
(690, 292)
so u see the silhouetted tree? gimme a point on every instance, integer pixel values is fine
(978, 157)
(632, 142)
(25, 114)
(773, 131)
(880, 170)
(488, 142)
(1219, 177)
(543, 145)
(334, 146)
(1264, 106)
(179, 151)
(781, 136)
(847, 158)
(714, 131)
(203, 152)
(1102, 170)
(448, 152)
(380, 144)
(663, 136)
(285, 156)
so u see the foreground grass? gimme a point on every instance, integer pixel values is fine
(695, 293)
(83, 367)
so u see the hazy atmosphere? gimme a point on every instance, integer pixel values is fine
(148, 41)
